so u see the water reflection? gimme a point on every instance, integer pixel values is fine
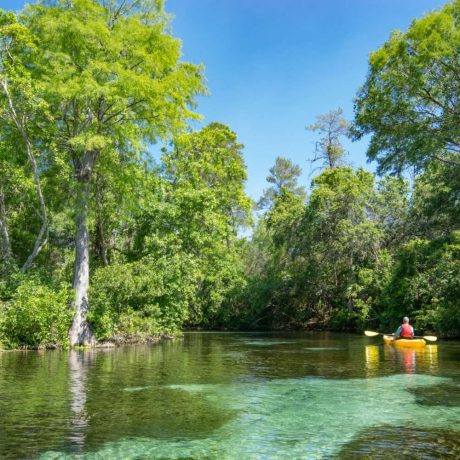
(431, 357)
(34, 403)
(372, 360)
(409, 360)
(79, 362)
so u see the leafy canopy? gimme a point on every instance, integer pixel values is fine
(111, 74)
(410, 100)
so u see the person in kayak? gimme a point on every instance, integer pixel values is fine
(405, 331)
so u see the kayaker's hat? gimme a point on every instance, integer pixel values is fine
(405, 319)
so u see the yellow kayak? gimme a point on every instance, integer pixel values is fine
(405, 343)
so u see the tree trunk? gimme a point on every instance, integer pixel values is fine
(42, 237)
(80, 332)
(4, 235)
(21, 125)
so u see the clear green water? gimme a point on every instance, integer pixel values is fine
(233, 396)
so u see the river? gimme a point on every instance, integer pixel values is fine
(233, 396)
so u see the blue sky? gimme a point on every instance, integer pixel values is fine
(272, 66)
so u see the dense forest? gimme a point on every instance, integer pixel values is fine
(104, 240)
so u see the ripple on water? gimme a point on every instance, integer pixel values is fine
(132, 389)
(267, 343)
(323, 348)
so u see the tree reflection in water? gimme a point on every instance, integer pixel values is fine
(78, 368)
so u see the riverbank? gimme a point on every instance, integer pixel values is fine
(114, 343)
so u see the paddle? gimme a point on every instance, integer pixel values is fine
(430, 338)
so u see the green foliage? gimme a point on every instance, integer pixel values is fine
(113, 79)
(182, 263)
(332, 126)
(141, 300)
(94, 83)
(283, 176)
(321, 256)
(348, 259)
(392, 209)
(284, 218)
(424, 285)
(342, 241)
(205, 207)
(435, 211)
(113, 82)
(36, 315)
(409, 101)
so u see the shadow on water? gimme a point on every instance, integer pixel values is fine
(438, 395)
(141, 408)
(402, 443)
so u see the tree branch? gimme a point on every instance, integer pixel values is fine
(42, 237)
(120, 112)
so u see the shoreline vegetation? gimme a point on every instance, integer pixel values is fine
(100, 240)
(114, 343)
